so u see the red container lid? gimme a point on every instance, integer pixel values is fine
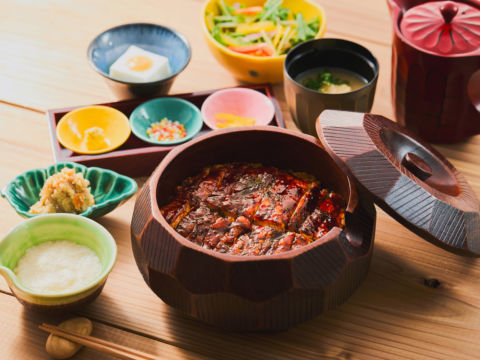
(446, 28)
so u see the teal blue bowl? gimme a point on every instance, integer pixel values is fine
(108, 188)
(173, 109)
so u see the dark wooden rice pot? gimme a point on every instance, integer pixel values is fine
(386, 163)
(251, 293)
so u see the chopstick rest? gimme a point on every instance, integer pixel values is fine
(107, 347)
(61, 348)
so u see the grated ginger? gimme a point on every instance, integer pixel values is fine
(64, 192)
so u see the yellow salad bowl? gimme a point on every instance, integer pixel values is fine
(251, 68)
(72, 126)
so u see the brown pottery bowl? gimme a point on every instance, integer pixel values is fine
(251, 293)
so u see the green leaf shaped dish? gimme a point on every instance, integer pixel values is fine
(108, 188)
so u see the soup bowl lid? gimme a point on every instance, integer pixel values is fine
(406, 177)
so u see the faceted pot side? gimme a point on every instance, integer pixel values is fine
(251, 293)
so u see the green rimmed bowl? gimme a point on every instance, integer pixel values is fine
(108, 188)
(52, 227)
(174, 109)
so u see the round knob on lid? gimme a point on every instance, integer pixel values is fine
(445, 28)
(448, 11)
(417, 166)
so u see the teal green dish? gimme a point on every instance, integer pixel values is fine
(108, 188)
(173, 109)
(53, 227)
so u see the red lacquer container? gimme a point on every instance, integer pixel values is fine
(436, 68)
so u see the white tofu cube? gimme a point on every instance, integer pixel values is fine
(138, 65)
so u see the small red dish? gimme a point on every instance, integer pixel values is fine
(239, 102)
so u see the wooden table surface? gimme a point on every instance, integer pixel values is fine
(392, 315)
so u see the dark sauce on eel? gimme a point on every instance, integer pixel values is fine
(250, 209)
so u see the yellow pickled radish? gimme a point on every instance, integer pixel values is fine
(225, 120)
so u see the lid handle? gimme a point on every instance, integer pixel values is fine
(448, 11)
(417, 166)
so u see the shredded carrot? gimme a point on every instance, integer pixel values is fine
(252, 10)
(248, 48)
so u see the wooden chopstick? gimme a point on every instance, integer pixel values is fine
(120, 351)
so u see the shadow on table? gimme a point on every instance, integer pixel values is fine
(395, 298)
(393, 304)
(31, 333)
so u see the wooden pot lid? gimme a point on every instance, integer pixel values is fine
(406, 177)
(444, 27)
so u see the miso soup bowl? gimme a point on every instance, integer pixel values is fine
(52, 227)
(251, 293)
(304, 104)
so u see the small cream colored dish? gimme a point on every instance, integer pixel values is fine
(54, 227)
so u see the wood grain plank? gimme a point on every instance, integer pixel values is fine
(43, 63)
(21, 338)
(24, 145)
(393, 314)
